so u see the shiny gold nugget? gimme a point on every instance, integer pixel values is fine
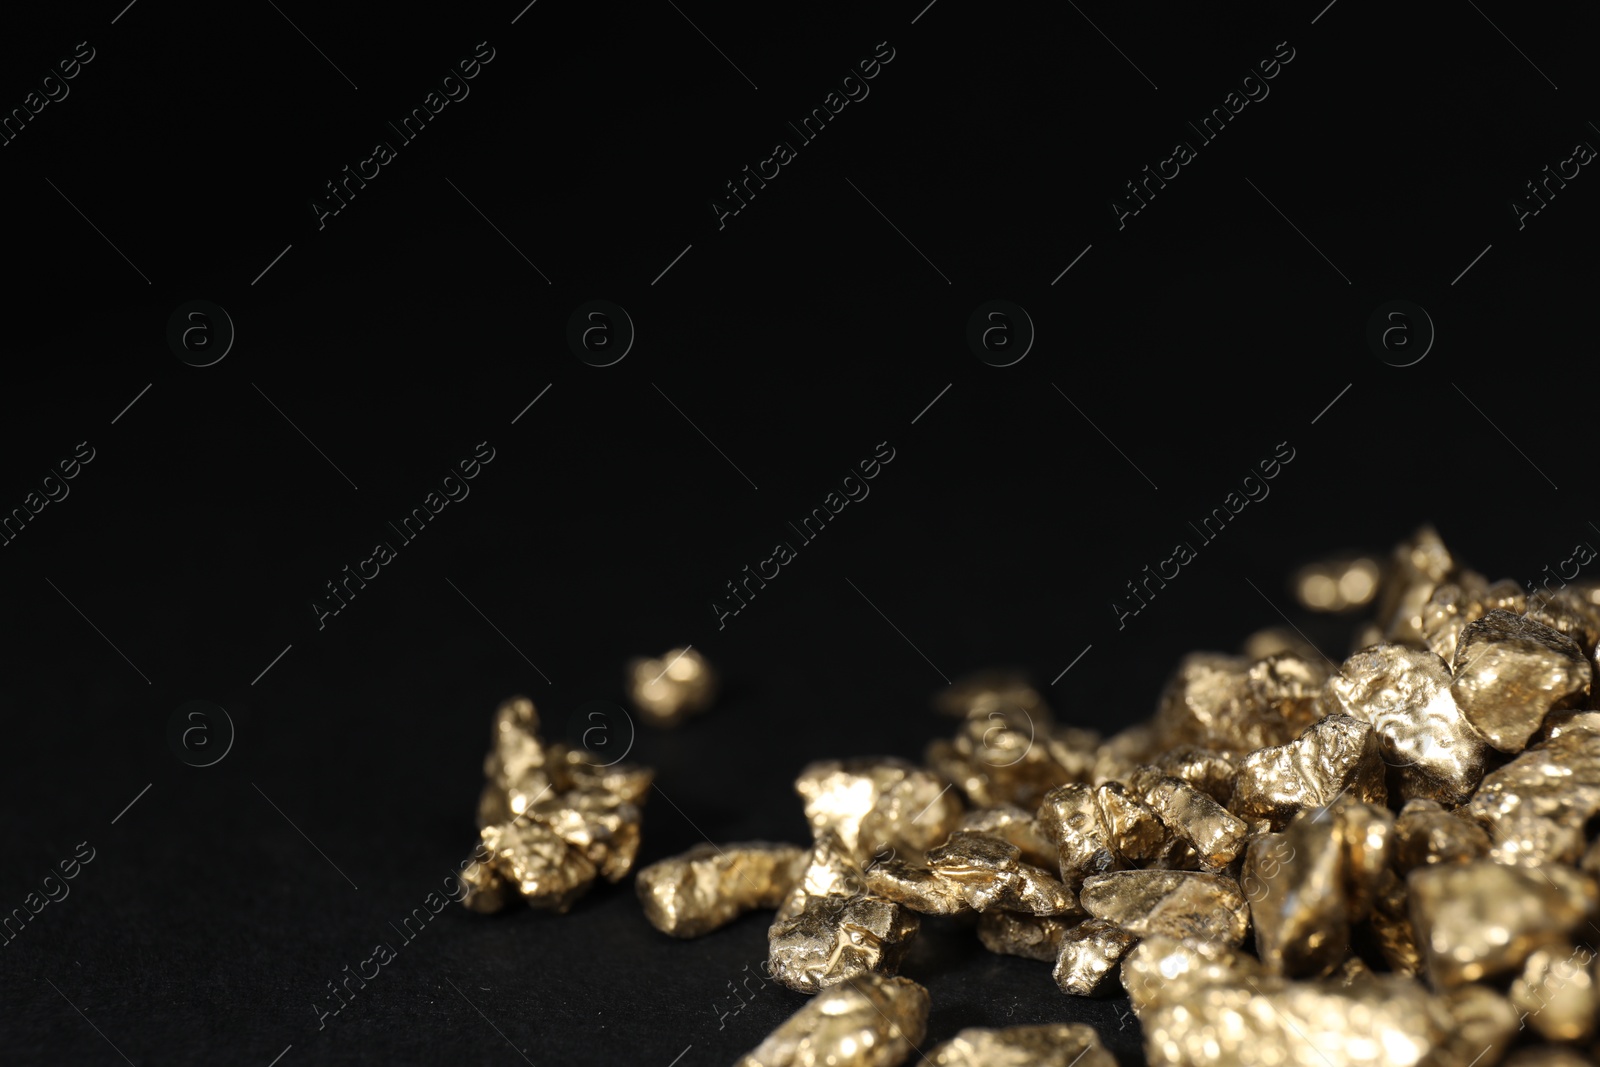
(1089, 953)
(1336, 756)
(989, 873)
(878, 804)
(1510, 672)
(868, 1021)
(708, 887)
(1045, 1045)
(1174, 903)
(1033, 937)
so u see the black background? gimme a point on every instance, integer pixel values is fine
(797, 338)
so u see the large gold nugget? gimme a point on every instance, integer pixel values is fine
(1088, 954)
(1227, 702)
(829, 929)
(548, 872)
(1510, 672)
(1405, 694)
(873, 804)
(1163, 970)
(1136, 832)
(1336, 756)
(1174, 903)
(1045, 1045)
(1376, 1021)
(1482, 919)
(1033, 937)
(1425, 834)
(667, 690)
(1536, 806)
(708, 887)
(868, 1021)
(989, 873)
(1216, 836)
(1210, 772)
(1557, 991)
(1306, 884)
(918, 888)
(605, 829)
(1070, 817)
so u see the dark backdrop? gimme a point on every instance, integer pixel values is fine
(771, 355)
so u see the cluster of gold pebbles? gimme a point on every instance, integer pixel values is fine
(1388, 861)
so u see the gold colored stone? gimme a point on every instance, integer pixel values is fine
(1135, 831)
(867, 1021)
(487, 891)
(1229, 703)
(1536, 806)
(1011, 823)
(918, 888)
(1510, 672)
(1216, 836)
(1425, 833)
(873, 804)
(1273, 640)
(548, 872)
(627, 782)
(979, 693)
(989, 873)
(1175, 903)
(1307, 884)
(1044, 1045)
(1070, 817)
(1034, 937)
(1337, 585)
(1208, 771)
(1009, 755)
(1088, 954)
(605, 829)
(1161, 970)
(668, 690)
(1483, 1026)
(829, 928)
(1337, 755)
(1481, 919)
(1571, 611)
(708, 887)
(1405, 694)
(1415, 570)
(1556, 993)
(1379, 1021)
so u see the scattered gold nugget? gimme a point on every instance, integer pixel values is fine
(867, 1021)
(668, 690)
(708, 887)
(1044, 1045)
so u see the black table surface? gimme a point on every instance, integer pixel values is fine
(373, 349)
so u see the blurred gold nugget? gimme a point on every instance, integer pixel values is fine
(866, 1021)
(1045, 1045)
(1337, 585)
(670, 689)
(551, 820)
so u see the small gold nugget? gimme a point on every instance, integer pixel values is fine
(1089, 955)
(830, 928)
(1033, 937)
(1174, 903)
(879, 807)
(1510, 672)
(867, 1021)
(670, 689)
(1045, 1045)
(551, 820)
(708, 887)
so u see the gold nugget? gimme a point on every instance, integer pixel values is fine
(670, 689)
(708, 887)
(875, 805)
(1033, 937)
(1510, 672)
(867, 1021)
(1045, 1045)
(1174, 903)
(1089, 954)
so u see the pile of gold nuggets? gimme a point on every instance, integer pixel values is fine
(1389, 861)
